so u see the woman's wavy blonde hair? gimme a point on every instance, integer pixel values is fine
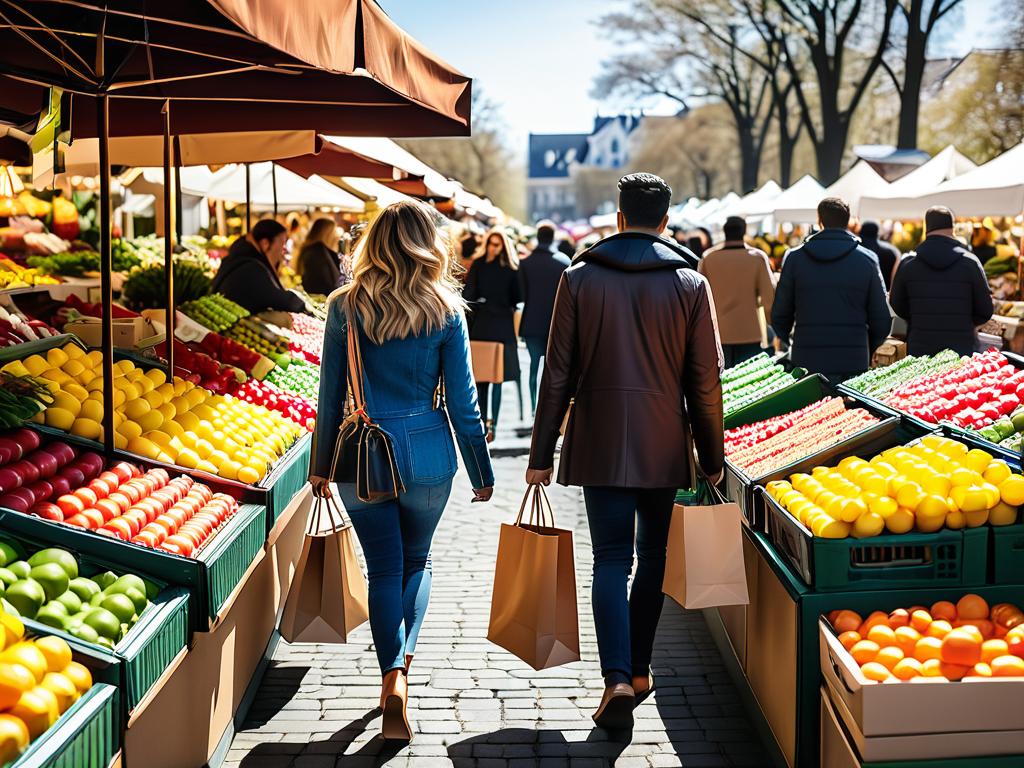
(402, 280)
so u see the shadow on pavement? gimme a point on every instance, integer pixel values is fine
(377, 751)
(277, 689)
(537, 745)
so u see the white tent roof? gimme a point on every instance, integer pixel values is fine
(993, 189)
(857, 182)
(901, 199)
(718, 216)
(799, 203)
(195, 180)
(680, 214)
(467, 200)
(758, 203)
(293, 191)
(371, 188)
(388, 152)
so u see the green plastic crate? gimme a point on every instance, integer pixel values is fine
(88, 735)
(892, 561)
(1008, 554)
(975, 440)
(146, 651)
(286, 479)
(207, 576)
(38, 347)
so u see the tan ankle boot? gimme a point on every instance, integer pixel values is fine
(394, 698)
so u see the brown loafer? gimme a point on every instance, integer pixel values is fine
(394, 697)
(408, 663)
(616, 710)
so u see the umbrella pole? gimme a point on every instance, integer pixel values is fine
(169, 224)
(273, 184)
(248, 199)
(106, 268)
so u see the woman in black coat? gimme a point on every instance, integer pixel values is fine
(492, 290)
(317, 264)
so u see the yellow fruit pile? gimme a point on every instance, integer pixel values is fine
(38, 683)
(934, 483)
(13, 275)
(171, 421)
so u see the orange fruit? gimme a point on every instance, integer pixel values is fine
(931, 668)
(993, 649)
(876, 619)
(1007, 666)
(939, 628)
(944, 610)
(920, 619)
(889, 657)
(899, 618)
(984, 627)
(928, 648)
(864, 651)
(953, 672)
(906, 639)
(972, 607)
(961, 647)
(850, 639)
(882, 634)
(846, 621)
(981, 669)
(875, 671)
(907, 668)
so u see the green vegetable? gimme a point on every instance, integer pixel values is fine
(146, 288)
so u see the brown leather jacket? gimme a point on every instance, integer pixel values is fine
(633, 341)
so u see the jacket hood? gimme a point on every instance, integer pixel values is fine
(638, 252)
(831, 245)
(941, 252)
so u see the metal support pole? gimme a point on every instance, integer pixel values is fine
(106, 268)
(248, 199)
(273, 184)
(169, 224)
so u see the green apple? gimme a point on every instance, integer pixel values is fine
(138, 598)
(129, 580)
(84, 588)
(105, 579)
(84, 632)
(7, 577)
(52, 578)
(71, 601)
(61, 557)
(119, 605)
(104, 622)
(9, 552)
(26, 596)
(53, 615)
(19, 568)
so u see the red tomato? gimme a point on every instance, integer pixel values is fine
(94, 516)
(184, 545)
(123, 471)
(110, 478)
(87, 495)
(156, 531)
(109, 509)
(79, 521)
(137, 519)
(70, 505)
(100, 488)
(167, 522)
(120, 527)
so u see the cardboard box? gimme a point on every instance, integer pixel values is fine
(734, 617)
(129, 332)
(835, 750)
(771, 659)
(187, 716)
(926, 746)
(890, 351)
(924, 705)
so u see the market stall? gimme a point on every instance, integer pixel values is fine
(799, 203)
(902, 198)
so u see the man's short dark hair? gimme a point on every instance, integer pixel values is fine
(266, 229)
(834, 213)
(545, 232)
(644, 199)
(937, 217)
(735, 228)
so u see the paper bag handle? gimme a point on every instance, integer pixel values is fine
(330, 505)
(539, 504)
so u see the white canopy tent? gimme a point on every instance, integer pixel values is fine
(757, 204)
(901, 200)
(292, 191)
(799, 203)
(475, 204)
(195, 179)
(604, 220)
(993, 189)
(859, 181)
(386, 151)
(371, 189)
(718, 216)
(679, 215)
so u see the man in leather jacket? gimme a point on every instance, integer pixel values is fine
(634, 348)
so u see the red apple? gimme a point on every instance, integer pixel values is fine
(42, 491)
(9, 480)
(119, 526)
(29, 472)
(123, 470)
(60, 485)
(17, 503)
(74, 475)
(26, 438)
(184, 545)
(47, 511)
(45, 462)
(79, 521)
(63, 452)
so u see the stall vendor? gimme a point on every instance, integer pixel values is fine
(248, 274)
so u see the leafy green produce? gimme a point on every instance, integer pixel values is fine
(216, 312)
(298, 376)
(77, 263)
(146, 288)
(881, 381)
(752, 380)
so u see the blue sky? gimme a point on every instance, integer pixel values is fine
(538, 58)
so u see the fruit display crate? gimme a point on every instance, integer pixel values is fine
(890, 561)
(210, 577)
(285, 479)
(88, 735)
(790, 630)
(38, 347)
(160, 633)
(739, 487)
(877, 404)
(1007, 555)
(975, 440)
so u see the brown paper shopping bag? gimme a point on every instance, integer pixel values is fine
(327, 599)
(533, 606)
(488, 361)
(704, 562)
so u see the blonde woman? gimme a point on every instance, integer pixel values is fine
(412, 332)
(317, 263)
(493, 291)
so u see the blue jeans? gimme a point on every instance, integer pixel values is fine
(626, 625)
(537, 347)
(395, 537)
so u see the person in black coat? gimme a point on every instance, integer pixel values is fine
(539, 274)
(831, 290)
(887, 253)
(493, 292)
(248, 274)
(317, 264)
(941, 291)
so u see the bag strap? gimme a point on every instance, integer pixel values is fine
(356, 377)
(330, 505)
(539, 506)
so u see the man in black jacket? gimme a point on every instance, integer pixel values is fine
(831, 290)
(887, 253)
(539, 274)
(248, 274)
(941, 291)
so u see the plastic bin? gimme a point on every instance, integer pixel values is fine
(210, 577)
(88, 735)
(1007, 554)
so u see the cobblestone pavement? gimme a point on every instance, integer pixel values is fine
(472, 703)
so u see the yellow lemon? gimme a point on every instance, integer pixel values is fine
(59, 418)
(976, 518)
(143, 447)
(965, 476)
(932, 506)
(852, 509)
(975, 500)
(867, 525)
(79, 675)
(56, 357)
(900, 521)
(87, 428)
(62, 688)
(997, 472)
(910, 495)
(150, 421)
(1011, 490)
(937, 485)
(978, 460)
(154, 398)
(883, 506)
(136, 409)
(1002, 514)
(955, 520)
